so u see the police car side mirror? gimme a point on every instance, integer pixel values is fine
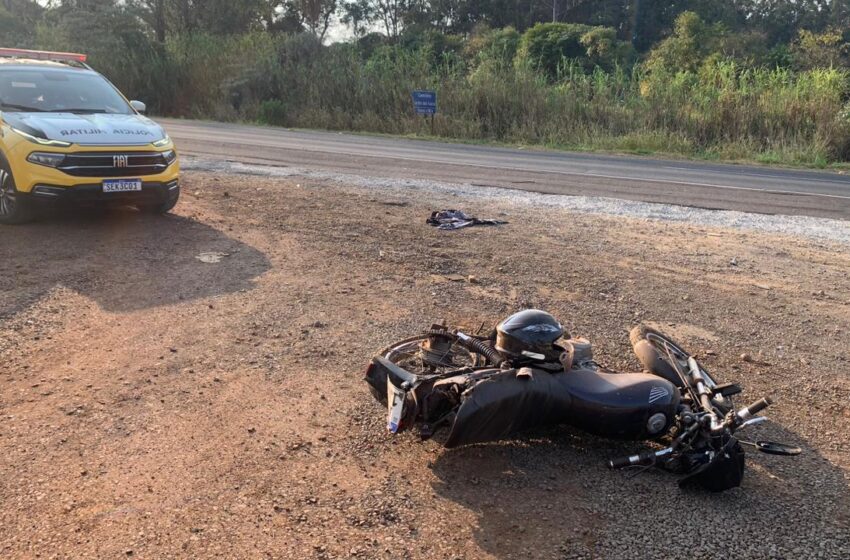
(138, 106)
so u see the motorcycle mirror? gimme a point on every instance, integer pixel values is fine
(774, 448)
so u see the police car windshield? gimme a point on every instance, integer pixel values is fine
(58, 91)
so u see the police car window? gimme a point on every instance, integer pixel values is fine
(57, 91)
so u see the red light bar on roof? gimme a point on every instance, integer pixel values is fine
(43, 55)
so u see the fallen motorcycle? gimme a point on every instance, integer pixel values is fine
(528, 373)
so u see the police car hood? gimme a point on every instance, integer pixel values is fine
(97, 129)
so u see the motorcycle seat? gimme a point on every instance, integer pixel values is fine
(614, 405)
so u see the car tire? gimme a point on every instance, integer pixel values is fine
(163, 207)
(14, 208)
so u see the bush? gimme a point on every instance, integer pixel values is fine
(550, 47)
(438, 47)
(820, 50)
(273, 112)
(495, 47)
(692, 41)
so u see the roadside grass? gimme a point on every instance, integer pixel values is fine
(788, 159)
(720, 112)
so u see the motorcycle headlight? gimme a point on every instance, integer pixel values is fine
(170, 156)
(42, 141)
(46, 158)
(164, 142)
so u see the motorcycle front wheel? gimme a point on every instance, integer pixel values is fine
(655, 349)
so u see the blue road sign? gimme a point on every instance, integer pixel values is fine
(425, 102)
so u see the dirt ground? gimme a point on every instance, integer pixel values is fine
(156, 406)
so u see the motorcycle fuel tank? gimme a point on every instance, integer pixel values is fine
(631, 406)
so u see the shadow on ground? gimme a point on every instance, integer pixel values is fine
(551, 497)
(122, 259)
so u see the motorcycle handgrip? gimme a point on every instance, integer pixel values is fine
(619, 463)
(746, 413)
(631, 460)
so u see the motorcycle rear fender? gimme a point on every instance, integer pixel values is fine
(379, 371)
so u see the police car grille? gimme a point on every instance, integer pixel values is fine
(102, 164)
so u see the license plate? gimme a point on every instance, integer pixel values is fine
(122, 185)
(395, 405)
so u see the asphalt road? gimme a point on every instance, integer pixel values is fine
(703, 185)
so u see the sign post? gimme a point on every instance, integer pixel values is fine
(425, 104)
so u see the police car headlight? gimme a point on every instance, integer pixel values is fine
(170, 156)
(163, 142)
(46, 158)
(42, 141)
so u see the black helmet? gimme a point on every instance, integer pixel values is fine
(530, 334)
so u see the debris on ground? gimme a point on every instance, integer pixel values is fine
(457, 219)
(211, 257)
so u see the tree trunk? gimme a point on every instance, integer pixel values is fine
(159, 20)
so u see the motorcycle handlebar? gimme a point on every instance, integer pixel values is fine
(649, 458)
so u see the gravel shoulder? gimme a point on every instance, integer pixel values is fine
(156, 406)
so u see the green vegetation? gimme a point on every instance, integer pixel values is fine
(724, 81)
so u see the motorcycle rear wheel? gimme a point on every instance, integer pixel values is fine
(407, 354)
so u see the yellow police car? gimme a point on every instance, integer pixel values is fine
(67, 134)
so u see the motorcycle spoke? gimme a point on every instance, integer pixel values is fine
(410, 355)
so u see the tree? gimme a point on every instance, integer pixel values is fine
(781, 20)
(225, 17)
(391, 13)
(17, 21)
(315, 14)
(359, 15)
(820, 50)
(154, 12)
(691, 42)
(547, 45)
(220, 17)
